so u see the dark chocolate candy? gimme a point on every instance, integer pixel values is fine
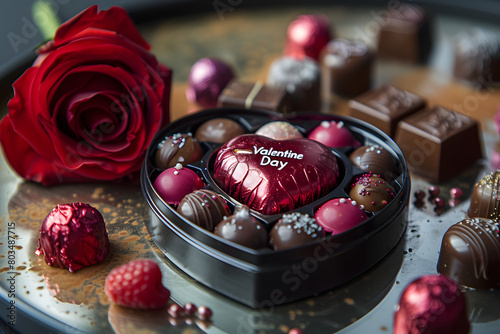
(438, 143)
(372, 192)
(485, 199)
(249, 95)
(178, 148)
(477, 57)
(470, 253)
(375, 159)
(294, 229)
(405, 34)
(242, 228)
(219, 130)
(301, 79)
(346, 68)
(431, 304)
(272, 176)
(385, 106)
(73, 236)
(204, 207)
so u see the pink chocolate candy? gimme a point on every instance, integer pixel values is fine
(431, 304)
(333, 134)
(307, 36)
(73, 236)
(339, 215)
(176, 182)
(207, 79)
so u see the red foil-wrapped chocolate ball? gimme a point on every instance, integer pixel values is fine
(176, 182)
(73, 236)
(431, 304)
(307, 36)
(207, 79)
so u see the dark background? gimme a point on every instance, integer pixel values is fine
(17, 22)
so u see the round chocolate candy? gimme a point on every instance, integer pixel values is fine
(372, 192)
(294, 229)
(207, 79)
(470, 253)
(307, 36)
(431, 304)
(339, 215)
(279, 130)
(204, 207)
(242, 228)
(219, 130)
(274, 176)
(485, 200)
(178, 148)
(333, 134)
(73, 236)
(176, 182)
(375, 159)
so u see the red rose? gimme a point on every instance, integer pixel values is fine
(89, 106)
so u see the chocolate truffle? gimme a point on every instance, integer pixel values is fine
(431, 304)
(372, 192)
(73, 236)
(274, 176)
(307, 36)
(346, 68)
(385, 107)
(405, 34)
(470, 253)
(339, 215)
(477, 58)
(485, 200)
(279, 130)
(293, 230)
(242, 228)
(333, 134)
(438, 143)
(375, 159)
(178, 148)
(204, 208)
(219, 130)
(249, 95)
(301, 79)
(207, 78)
(176, 182)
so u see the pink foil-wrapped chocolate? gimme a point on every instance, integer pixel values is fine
(73, 236)
(274, 176)
(431, 304)
(207, 79)
(307, 36)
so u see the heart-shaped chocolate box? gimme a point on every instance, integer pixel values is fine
(265, 277)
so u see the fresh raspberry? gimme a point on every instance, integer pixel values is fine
(137, 284)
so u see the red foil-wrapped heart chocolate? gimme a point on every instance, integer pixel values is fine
(274, 176)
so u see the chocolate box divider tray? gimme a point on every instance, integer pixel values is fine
(258, 266)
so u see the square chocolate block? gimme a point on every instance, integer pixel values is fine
(249, 95)
(302, 80)
(346, 68)
(438, 143)
(477, 58)
(405, 34)
(385, 106)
